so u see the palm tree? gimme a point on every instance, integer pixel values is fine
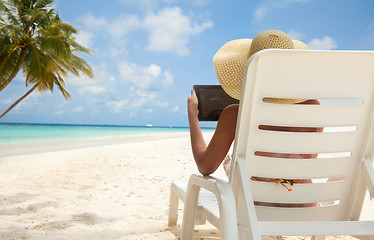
(33, 38)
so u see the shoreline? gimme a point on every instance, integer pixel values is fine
(24, 148)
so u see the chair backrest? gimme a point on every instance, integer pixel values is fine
(325, 166)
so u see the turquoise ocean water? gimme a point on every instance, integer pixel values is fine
(23, 133)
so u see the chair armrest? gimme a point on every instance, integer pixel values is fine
(369, 175)
(226, 203)
(221, 189)
(212, 184)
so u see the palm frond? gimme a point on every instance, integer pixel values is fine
(81, 65)
(43, 3)
(33, 65)
(5, 44)
(2, 21)
(62, 28)
(9, 12)
(35, 19)
(61, 86)
(51, 78)
(56, 45)
(64, 66)
(76, 47)
(8, 62)
(71, 63)
(11, 31)
(61, 63)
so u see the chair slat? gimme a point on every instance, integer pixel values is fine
(317, 228)
(303, 142)
(309, 115)
(300, 168)
(318, 74)
(305, 214)
(301, 193)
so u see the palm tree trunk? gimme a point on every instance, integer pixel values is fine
(18, 101)
(15, 70)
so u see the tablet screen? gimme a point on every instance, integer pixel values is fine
(212, 100)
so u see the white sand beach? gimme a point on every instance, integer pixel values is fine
(118, 191)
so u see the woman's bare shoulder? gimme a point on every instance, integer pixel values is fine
(231, 109)
(227, 120)
(230, 112)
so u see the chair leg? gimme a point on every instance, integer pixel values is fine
(173, 209)
(189, 212)
(199, 220)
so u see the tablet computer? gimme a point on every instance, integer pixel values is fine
(212, 100)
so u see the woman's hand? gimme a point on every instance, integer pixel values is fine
(192, 103)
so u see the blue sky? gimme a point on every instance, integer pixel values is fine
(149, 53)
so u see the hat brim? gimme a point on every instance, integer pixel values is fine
(229, 62)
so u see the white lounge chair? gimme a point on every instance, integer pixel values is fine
(329, 201)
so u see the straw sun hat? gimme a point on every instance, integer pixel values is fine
(230, 59)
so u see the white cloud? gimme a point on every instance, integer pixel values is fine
(326, 43)
(85, 38)
(91, 87)
(144, 99)
(175, 109)
(93, 23)
(78, 109)
(80, 81)
(19, 78)
(113, 32)
(265, 8)
(123, 25)
(93, 90)
(7, 101)
(146, 5)
(153, 70)
(141, 102)
(143, 85)
(261, 12)
(146, 78)
(167, 80)
(31, 102)
(59, 112)
(296, 35)
(126, 85)
(170, 31)
(118, 106)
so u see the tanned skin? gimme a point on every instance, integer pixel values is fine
(209, 157)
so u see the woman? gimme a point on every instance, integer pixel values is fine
(229, 64)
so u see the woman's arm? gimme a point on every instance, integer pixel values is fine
(197, 141)
(208, 158)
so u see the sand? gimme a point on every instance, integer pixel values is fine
(116, 191)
